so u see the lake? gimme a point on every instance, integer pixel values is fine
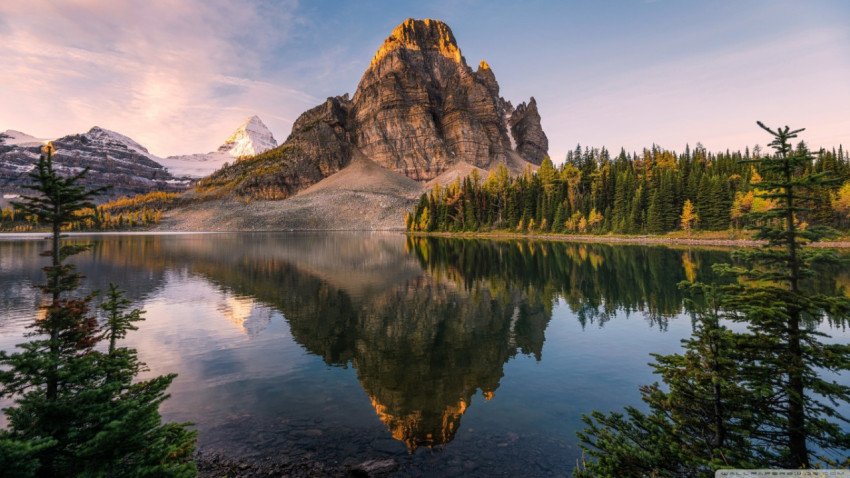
(451, 356)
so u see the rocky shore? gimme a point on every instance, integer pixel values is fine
(250, 447)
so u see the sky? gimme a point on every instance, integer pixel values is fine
(179, 76)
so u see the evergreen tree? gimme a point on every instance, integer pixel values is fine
(781, 314)
(558, 220)
(70, 399)
(712, 203)
(655, 213)
(748, 399)
(637, 218)
(132, 440)
(631, 194)
(698, 422)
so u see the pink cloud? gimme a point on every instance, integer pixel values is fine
(177, 76)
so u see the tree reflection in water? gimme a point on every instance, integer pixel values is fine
(426, 323)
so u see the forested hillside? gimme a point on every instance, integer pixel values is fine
(653, 192)
(140, 211)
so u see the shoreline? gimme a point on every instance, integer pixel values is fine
(622, 239)
(613, 239)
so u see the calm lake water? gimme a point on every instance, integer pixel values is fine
(450, 356)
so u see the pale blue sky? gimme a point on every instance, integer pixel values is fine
(178, 76)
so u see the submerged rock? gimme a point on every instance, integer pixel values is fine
(373, 468)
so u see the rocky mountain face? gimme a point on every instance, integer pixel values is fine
(529, 138)
(113, 159)
(251, 138)
(419, 110)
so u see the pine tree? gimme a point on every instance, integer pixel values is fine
(558, 219)
(47, 407)
(698, 422)
(746, 399)
(622, 200)
(771, 299)
(637, 218)
(655, 213)
(64, 389)
(132, 440)
(712, 204)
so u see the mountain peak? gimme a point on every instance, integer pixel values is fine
(107, 137)
(251, 138)
(421, 35)
(419, 111)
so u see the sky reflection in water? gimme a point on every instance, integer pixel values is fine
(356, 345)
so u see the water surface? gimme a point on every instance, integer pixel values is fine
(451, 356)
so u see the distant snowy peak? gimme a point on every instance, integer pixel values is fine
(252, 137)
(12, 137)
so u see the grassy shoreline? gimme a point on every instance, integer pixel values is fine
(713, 239)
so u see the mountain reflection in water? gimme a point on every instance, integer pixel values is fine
(425, 323)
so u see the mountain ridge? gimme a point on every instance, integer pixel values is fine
(120, 161)
(112, 158)
(419, 116)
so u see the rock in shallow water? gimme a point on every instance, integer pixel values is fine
(373, 468)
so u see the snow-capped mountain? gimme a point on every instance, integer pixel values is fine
(251, 138)
(112, 158)
(12, 137)
(117, 160)
(110, 140)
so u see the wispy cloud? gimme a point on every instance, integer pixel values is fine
(176, 76)
(714, 97)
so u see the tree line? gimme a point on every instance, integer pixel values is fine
(654, 192)
(143, 210)
(755, 385)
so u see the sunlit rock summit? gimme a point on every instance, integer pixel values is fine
(419, 111)
(419, 108)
